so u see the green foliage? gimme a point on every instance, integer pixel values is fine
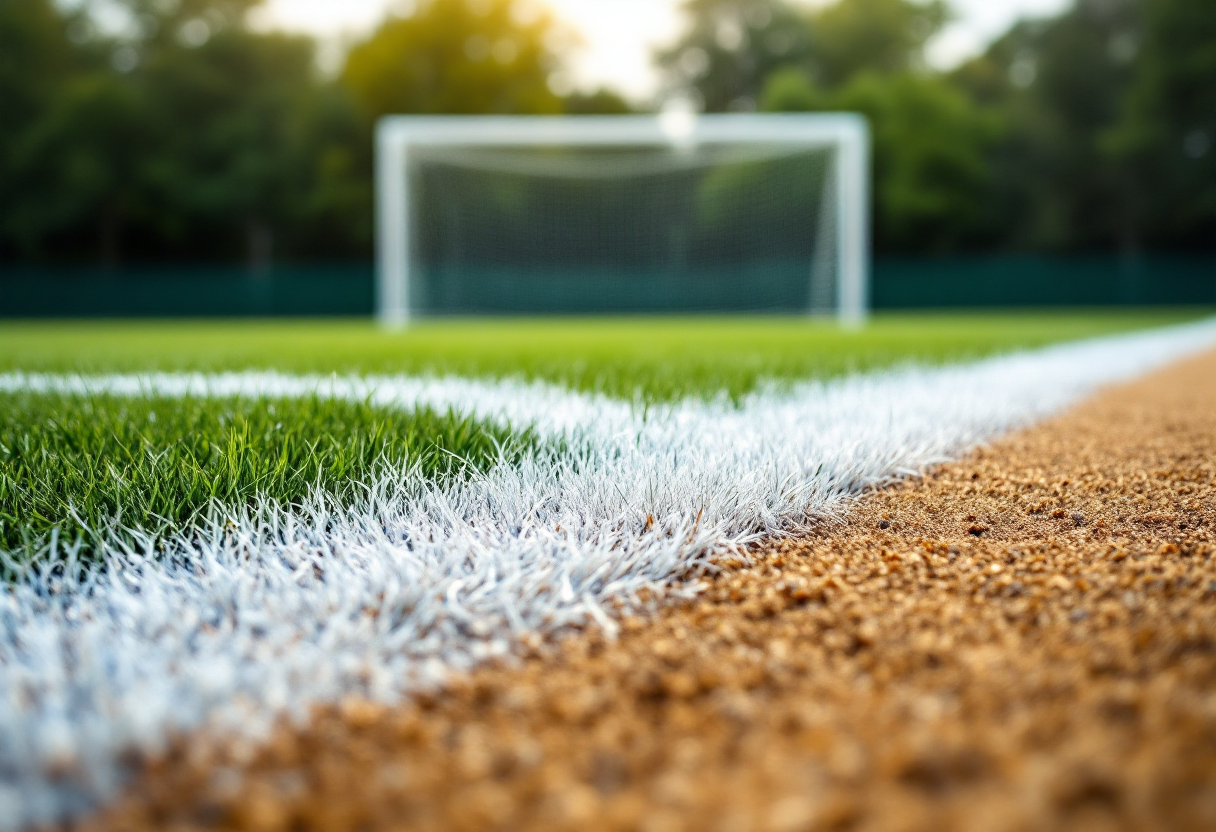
(38, 65)
(1059, 84)
(187, 136)
(733, 48)
(931, 153)
(931, 148)
(876, 36)
(658, 360)
(1166, 132)
(601, 102)
(190, 136)
(35, 56)
(90, 464)
(932, 142)
(791, 90)
(1091, 130)
(78, 164)
(456, 56)
(1111, 118)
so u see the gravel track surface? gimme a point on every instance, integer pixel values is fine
(1022, 640)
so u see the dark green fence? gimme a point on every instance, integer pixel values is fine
(348, 290)
(175, 292)
(979, 282)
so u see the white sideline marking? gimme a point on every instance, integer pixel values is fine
(277, 611)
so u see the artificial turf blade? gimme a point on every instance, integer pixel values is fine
(657, 359)
(94, 465)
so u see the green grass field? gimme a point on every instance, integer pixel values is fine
(88, 464)
(656, 358)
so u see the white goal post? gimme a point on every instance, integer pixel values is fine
(402, 140)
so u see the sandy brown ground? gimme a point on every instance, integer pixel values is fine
(1024, 640)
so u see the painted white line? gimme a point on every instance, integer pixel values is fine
(270, 612)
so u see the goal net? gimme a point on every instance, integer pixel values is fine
(625, 215)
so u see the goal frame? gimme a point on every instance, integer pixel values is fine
(847, 134)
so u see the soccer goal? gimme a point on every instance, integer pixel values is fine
(677, 213)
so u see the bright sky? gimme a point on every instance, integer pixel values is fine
(619, 35)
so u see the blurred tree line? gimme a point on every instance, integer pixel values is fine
(177, 131)
(1090, 131)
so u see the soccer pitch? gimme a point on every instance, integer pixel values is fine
(660, 359)
(93, 465)
(222, 524)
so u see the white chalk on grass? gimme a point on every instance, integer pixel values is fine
(272, 611)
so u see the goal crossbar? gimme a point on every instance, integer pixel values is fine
(847, 134)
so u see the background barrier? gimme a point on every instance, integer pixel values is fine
(1035, 281)
(187, 292)
(348, 289)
